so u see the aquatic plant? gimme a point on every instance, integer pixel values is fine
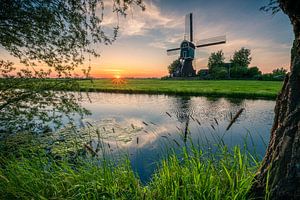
(192, 174)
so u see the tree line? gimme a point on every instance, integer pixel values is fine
(237, 68)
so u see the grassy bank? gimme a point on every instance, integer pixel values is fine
(213, 88)
(35, 175)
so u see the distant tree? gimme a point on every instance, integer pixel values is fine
(253, 72)
(279, 72)
(174, 66)
(238, 72)
(56, 34)
(241, 58)
(280, 170)
(267, 77)
(216, 65)
(203, 73)
(220, 73)
(215, 60)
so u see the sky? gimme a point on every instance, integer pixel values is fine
(144, 36)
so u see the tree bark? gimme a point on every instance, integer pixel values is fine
(280, 169)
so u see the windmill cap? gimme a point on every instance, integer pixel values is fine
(190, 44)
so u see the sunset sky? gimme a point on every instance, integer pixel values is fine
(140, 50)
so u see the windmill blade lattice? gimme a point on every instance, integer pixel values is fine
(211, 41)
(189, 27)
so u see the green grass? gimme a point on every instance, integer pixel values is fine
(31, 174)
(213, 88)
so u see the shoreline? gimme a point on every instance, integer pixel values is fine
(245, 89)
(253, 96)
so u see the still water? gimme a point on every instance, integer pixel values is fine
(143, 125)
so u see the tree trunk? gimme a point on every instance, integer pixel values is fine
(280, 169)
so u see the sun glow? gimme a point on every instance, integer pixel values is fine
(117, 76)
(118, 80)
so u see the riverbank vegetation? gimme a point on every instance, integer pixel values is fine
(30, 172)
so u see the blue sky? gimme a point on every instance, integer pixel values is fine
(140, 49)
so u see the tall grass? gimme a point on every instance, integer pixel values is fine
(224, 176)
(192, 175)
(44, 178)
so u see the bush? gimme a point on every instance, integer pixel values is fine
(220, 73)
(271, 77)
(254, 73)
(203, 73)
(238, 72)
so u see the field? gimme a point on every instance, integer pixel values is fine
(214, 88)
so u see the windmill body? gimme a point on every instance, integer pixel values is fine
(187, 55)
(187, 49)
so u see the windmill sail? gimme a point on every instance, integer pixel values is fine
(189, 27)
(211, 41)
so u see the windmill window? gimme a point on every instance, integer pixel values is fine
(184, 45)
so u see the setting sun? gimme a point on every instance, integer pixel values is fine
(117, 76)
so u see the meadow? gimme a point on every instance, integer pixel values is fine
(213, 88)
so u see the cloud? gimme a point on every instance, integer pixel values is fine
(139, 22)
(167, 40)
(162, 29)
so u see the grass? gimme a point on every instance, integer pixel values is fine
(225, 88)
(31, 174)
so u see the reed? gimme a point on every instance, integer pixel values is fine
(227, 174)
(187, 171)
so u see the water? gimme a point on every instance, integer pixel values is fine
(144, 125)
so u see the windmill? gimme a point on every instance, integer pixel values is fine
(187, 48)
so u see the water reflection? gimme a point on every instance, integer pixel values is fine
(143, 125)
(183, 111)
(158, 115)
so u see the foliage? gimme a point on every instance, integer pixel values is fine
(174, 66)
(276, 75)
(279, 72)
(241, 58)
(34, 174)
(203, 73)
(238, 72)
(27, 100)
(220, 73)
(267, 77)
(225, 175)
(47, 178)
(237, 69)
(245, 73)
(253, 72)
(273, 7)
(216, 65)
(56, 34)
(215, 60)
